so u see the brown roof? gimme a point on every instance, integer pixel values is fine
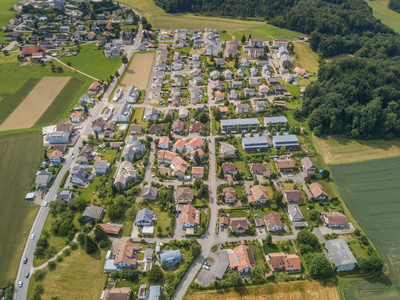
(259, 192)
(32, 49)
(257, 168)
(242, 258)
(239, 224)
(273, 219)
(156, 128)
(64, 127)
(165, 154)
(111, 228)
(334, 218)
(198, 126)
(259, 222)
(136, 128)
(230, 193)
(76, 114)
(164, 140)
(126, 252)
(195, 143)
(117, 293)
(180, 144)
(228, 167)
(190, 214)
(94, 86)
(307, 163)
(184, 193)
(178, 125)
(222, 109)
(293, 195)
(288, 262)
(55, 154)
(100, 164)
(224, 220)
(285, 164)
(317, 190)
(99, 122)
(197, 170)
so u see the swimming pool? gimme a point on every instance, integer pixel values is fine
(123, 126)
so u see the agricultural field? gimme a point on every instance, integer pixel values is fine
(303, 290)
(35, 104)
(17, 215)
(79, 274)
(138, 71)
(305, 57)
(388, 16)
(342, 151)
(370, 191)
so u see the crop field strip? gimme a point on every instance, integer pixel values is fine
(20, 156)
(371, 192)
(35, 104)
(138, 72)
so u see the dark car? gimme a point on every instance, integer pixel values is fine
(27, 275)
(25, 260)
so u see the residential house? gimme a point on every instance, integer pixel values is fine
(242, 108)
(280, 43)
(136, 129)
(280, 261)
(273, 222)
(85, 155)
(285, 61)
(114, 293)
(317, 192)
(149, 192)
(214, 75)
(13, 36)
(227, 149)
(81, 177)
(101, 166)
(233, 95)
(144, 217)
(292, 196)
(254, 82)
(256, 143)
(196, 127)
(229, 195)
(239, 225)
(179, 146)
(249, 92)
(308, 165)
(228, 74)
(199, 151)
(93, 212)
(76, 117)
(273, 80)
(242, 259)
(229, 168)
(341, 255)
(219, 96)
(156, 129)
(334, 219)
(255, 52)
(184, 195)
(259, 194)
(183, 113)
(194, 144)
(240, 73)
(43, 179)
(256, 43)
(94, 88)
(165, 156)
(244, 62)
(55, 157)
(257, 168)
(170, 257)
(113, 229)
(198, 172)
(150, 113)
(253, 71)
(289, 141)
(65, 195)
(154, 292)
(132, 94)
(285, 165)
(126, 174)
(294, 213)
(260, 106)
(275, 121)
(124, 113)
(223, 222)
(279, 89)
(263, 89)
(190, 216)
(164, 142)
(126, 255)
(133, 148)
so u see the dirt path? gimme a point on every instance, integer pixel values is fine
(94, 78)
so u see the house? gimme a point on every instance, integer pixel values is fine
(317, 192)
(156, 129)
(233, 95)
(259, 194)
(55, 157)
(256, 143)
(280, 89)
(220, 61)
(227, 149)
(244, 62)
(334, 219)
(253, 71)
(165, 156)
(239, 225)
(242, 108)
(170, 258)
(341, 255)
(228, 74)
(94, 88)
(149, 192)
(254, 82)
(144, 217)
(257, 168)
(299, 71)
(223, 222)
(249, 92)
(308, 165)
(195, 72)
(242, 259)
(196, 127)
(133, 148)
(289, 141)
(184, 195)
(280, 43)
(280, 261)
(285, 61)
(132, 94)
(285, 165)
(125, 256)
(273, 80)
(136, 129)
(113, 229)
(190, 217)
(292, 196)
(179, 146)
(13, 36)
(255, 52)
(65, 195)
(85, 155)
(240, 73)
(154, 292)
(163, 143)
(294, 213)
(81, 177)
(183, 113)
(194, 144)
(43, 179)
(122, 293)
(244, 123)
(198, 172)
(200, 153)
(198, 44)
(126, 174)
(195, 57)
(214, 75)
(229, 168)
(219, 96)
(259, 106)
(275, 121)
(256, 43)
(76, 117)
(124, 113)
(93, 212)
(100, 166)
(273, 222)
(229, 194)
(223, 109)
(263, 89)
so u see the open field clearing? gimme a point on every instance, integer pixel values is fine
(35, 104)
(20, 156)
(371, 192)
(283, 291)
(388, 16)
(305, 58)
(345, 151)
(78, 275)
(6, 14)
(139, 71)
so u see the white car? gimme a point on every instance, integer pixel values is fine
(20, 284)
(152, 176)
(45, 204)
(32, 236)
(206, 267)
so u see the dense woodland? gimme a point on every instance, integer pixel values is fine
(394, 5)
(357, 96)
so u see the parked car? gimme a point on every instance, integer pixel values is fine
(260, 230)
(32, 236)
(206, 268)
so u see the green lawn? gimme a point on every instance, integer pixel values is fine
(18, 165)
(241, 165)
(127, 229)
(259, 256)
(163, 221)
(388, 16)
(237, 213)
(93, 62)
(305, 57)
(370, 191)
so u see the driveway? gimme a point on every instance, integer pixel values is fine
(205, 277)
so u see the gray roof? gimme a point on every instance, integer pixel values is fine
(170, 255)
(154, 292)
(223, 264)
(294, 211)
(340, 252)
(93, 211)
(149, 191)
(145, 215)
(43, 177)
(242, 122)
(285, 138)
(274, 120)
(148, 253)
(256, 140)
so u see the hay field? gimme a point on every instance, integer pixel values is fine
(305, 57)
(371, 192)
(301, 290)
(343, 151)
(20, 156)
(138, 71)
(388, 16)
(35, 104)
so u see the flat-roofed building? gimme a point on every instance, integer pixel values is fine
(256, 143)
(288, 140)
(244, 123)
(341, 255)
(275, 120)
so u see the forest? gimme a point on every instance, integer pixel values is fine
(394, 5)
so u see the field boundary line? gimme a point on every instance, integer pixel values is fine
(76, 70)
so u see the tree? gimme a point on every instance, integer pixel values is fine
(249, 129)
(371, 264)
(269, 126)
(217, 114)
(116, 74)
(81, 238)
(221, 173)
(278, 126)
(243, 38)
(99, 234)
(268, 239)
(228, 130)
(287, 126)
(325, 174)
(239, 129)
(249, 36)
(306, 237)
(272, 132)
(314, 214)
(236, 64)
(155, 275)
(251, 134)
(195, 247)
(203, 118)
(320, 267)
(90, 245)
(124, 59)
(197, 158)
(6, 53)
(236, 279)
(197, 183)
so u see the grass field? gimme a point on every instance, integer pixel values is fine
(305, 57)
(344, 151)
(388, 16)
(62, 102)
(283, 291)
(35, 104)
(18, 165)
(370, 191)
(138, 71)
(93, 62)
(78, 275)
